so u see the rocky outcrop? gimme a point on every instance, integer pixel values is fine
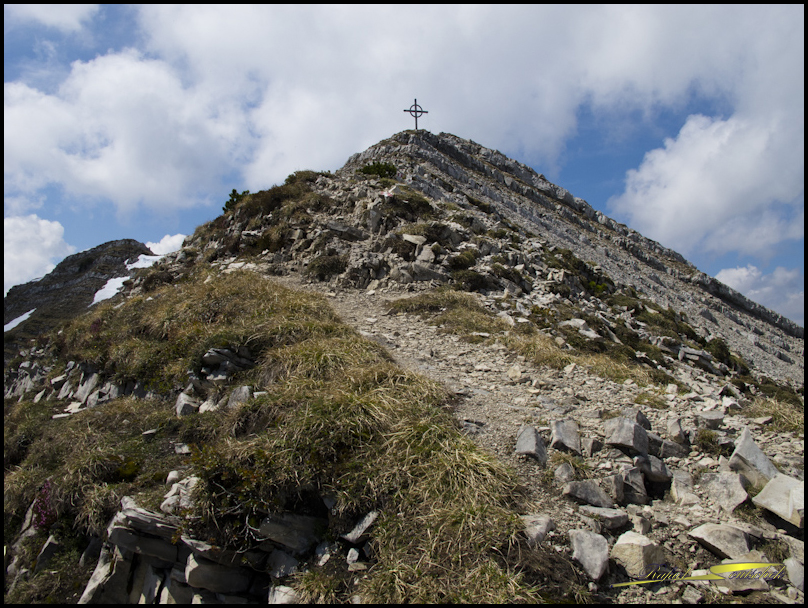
(447, 168)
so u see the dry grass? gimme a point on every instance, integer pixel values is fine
(786, 416)
(338, 418)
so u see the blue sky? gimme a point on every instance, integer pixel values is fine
(685, 123)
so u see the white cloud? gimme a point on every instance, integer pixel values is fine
(167, 244)
(718, 183)
(65, 17)
(30, 245)
(781, 290)
(121, 127)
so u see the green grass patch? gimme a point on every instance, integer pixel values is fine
(157, 339)
(387, 170)
(323, 267)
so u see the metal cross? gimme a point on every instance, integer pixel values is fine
(416, 111)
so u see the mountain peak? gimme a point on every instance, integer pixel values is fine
(308, 342)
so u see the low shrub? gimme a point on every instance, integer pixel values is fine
(387, 170)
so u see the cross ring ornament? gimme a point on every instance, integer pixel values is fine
(416, 111)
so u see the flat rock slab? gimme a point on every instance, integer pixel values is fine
(588, 492)
(297, 532)
(721, 539)
(590, 550)
(785, 497)
(750, 461)
(202, 573)
(725, 488)
(610, 518)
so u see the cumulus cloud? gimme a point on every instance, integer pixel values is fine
(167, 244)
(782, 290)
(30, 246)
(65, 17)
(718, 183)
(122, 128)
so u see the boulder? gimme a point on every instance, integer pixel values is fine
(626, 434)
(725, 489)
(652, 468)
(611, 519)
(750, 461)
(297, 532)
(205, 574)
(537, 527)
(634, 486)
(186, 405)
(785, 497)
(565, 436)
(590, 550)
(637, 554)
(588, 492)
(530, 443)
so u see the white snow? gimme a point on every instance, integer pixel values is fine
(12, 324)
(113, 286)
(143, 261)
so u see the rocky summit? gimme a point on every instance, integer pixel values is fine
(432, 376)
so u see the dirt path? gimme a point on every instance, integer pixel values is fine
(491, 406)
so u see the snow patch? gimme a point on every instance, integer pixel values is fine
(144, 261)
(112, 287)
(12, 324)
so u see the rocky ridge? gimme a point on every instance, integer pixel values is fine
(620, 475)
(69, 288)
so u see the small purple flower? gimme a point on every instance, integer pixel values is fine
(44, 513)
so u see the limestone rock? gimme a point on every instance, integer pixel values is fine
(750, 461)
(785, 497)
(590, 550)
(610, 518)
(623, 433)
(637, 553)
(723, 540)
(297, 532)
(205, 574)
(530, 443)
(537, 527)
(726, 489)
(565, 436)
(588, 492)
(358, 534)
(186, 405)
(281, 594)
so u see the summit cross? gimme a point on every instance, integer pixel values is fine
(416, 111)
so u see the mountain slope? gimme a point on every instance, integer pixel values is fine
(398, 383)
(69, 288)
